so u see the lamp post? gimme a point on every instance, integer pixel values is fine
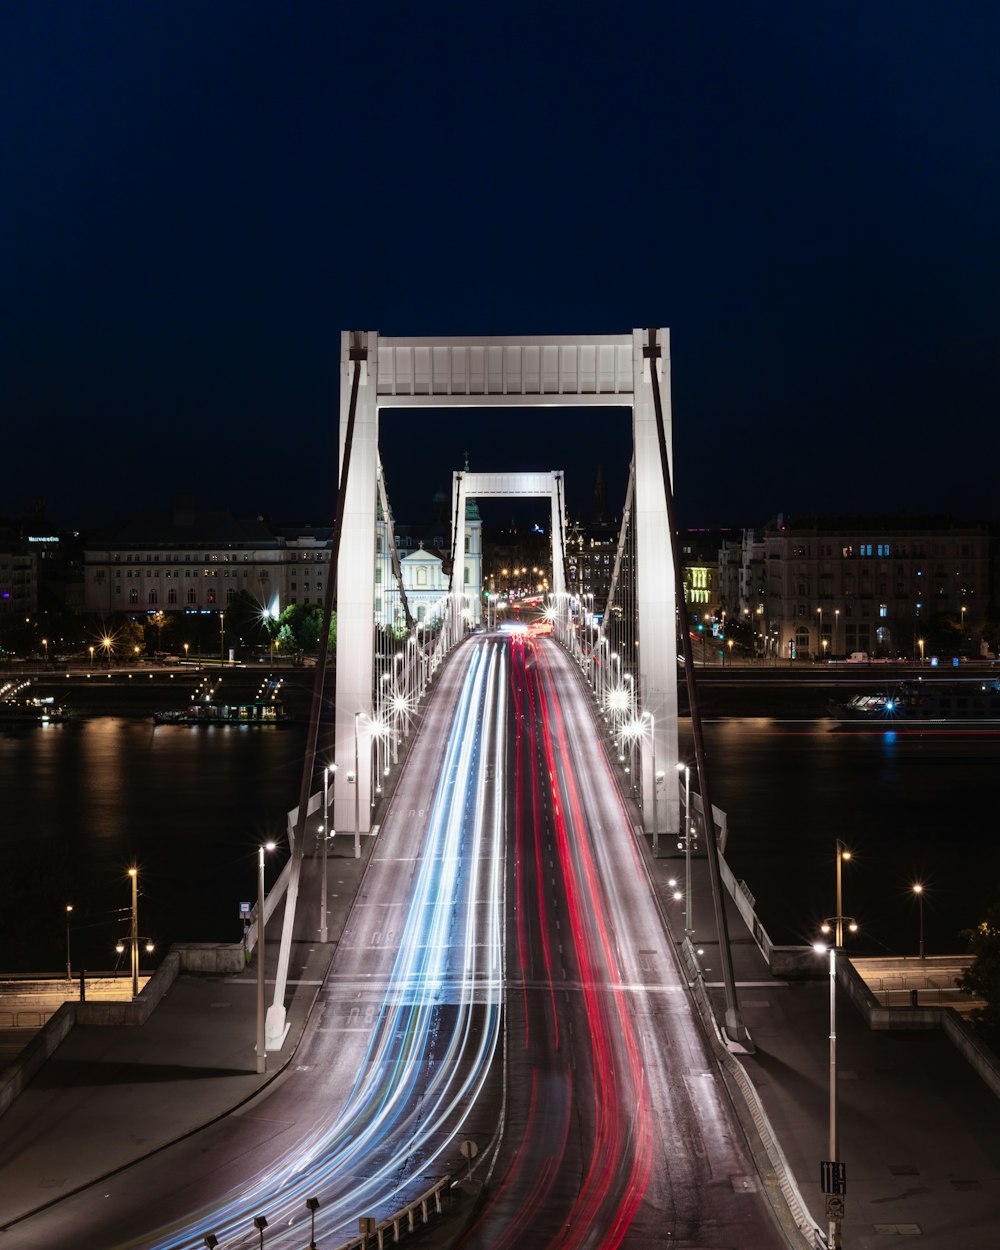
(918, 890)
(261, 1044)
(134, 874)
(920, 644)
(357, 790)
(260, 1224)
(324, 935)
(836, 629)
(837, 923)
(69, 966)
(91, 650)
(312, 1205)
(222, 638)
(688, 918)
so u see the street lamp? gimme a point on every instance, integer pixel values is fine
(260, 1224)
(918, 890)
(837, 924)
(186, 646)
(222, 638)
(211, 1241)
(357, 790)
(312, 1204)
(133, 872)
(920, 644)
(689, 915)
(261, 1045)
(323, 930)
(91, 650)
(69, 966)
(836, 629)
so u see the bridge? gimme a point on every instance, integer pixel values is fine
(505, 991)
(521, 979)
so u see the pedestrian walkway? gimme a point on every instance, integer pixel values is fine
(113, 1094)
(919, 1130)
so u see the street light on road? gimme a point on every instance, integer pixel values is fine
(835, 924)
(69, 966)
(357, 790)
(133, 872)
(689, 914)
(260, 1224)
(312, 1205)
(261, 1044)
(918, 890)
(324, 935)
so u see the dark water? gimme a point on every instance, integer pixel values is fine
(189, 805)
(80, 801)
(910, 807)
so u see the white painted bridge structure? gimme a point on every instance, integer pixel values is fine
(529, 371)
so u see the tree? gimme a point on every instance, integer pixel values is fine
(298, 628)
(982, 977)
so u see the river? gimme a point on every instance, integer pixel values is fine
(83, 800)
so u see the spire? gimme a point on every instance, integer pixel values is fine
(600, 501)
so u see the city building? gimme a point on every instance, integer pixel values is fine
(840, 586)
(190, 561)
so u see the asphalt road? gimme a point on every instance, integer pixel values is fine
(618, 1128)
(506, 849)
(393, 1070)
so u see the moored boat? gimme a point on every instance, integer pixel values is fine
(923, 705)
(262, 713)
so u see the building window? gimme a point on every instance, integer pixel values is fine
(883, 609)
(152, 597)
(172, 595)
(192, 595)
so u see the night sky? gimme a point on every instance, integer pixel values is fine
(196, 198)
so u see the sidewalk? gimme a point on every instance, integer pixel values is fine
(113, 1094)
(919, 1131)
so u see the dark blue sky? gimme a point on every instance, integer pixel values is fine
(195, 198)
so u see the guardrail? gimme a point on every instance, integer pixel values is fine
(409, 1220)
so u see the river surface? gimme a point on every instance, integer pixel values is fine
(81, 801)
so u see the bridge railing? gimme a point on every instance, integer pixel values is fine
(406, 1222)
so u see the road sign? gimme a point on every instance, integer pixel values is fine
(244, 909)
(833, 1177)
(834, 1206)
(469, 1149)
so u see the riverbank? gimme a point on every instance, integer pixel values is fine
(142, 689)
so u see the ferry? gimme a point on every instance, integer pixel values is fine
(263, 713)
(27, 710)
(923, 705)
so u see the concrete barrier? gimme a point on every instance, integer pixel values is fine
(211, 958)
(38, 1050)
(139, 1010)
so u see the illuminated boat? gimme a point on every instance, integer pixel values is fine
(262, 713)
(33, 711)
(919, 704)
